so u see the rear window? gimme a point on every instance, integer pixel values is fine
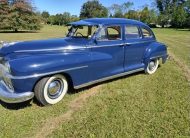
(146, 33)
(131, 32)
(114, 32)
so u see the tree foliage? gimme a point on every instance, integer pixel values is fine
(18, 15)
(119, 11)
(92, 9)
(173, 12)
(61, 19)
(45, 14)
(4, 14)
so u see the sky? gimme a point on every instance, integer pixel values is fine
(74, 6)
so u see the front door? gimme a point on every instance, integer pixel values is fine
(107, 53)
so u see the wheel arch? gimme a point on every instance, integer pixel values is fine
(66, 75)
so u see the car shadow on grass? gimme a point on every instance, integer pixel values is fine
(18, 106)
(73, 91)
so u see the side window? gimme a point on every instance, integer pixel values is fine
(146, 33)
(110, 33)
(131, 32)
(114, 32)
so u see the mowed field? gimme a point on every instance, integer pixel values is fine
(137, 105)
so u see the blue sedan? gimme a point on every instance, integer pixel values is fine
(93, 51)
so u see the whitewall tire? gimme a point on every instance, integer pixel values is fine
(152, 66)
(51, 90)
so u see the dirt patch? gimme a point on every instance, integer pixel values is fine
(184, 67)
(53, 123)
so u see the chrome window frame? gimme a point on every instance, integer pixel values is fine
(139, 31)
(149, 30)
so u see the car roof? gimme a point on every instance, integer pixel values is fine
(107, 21)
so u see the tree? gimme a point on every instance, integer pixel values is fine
(164, 7)
(66, 18)
(178, 17)
(145, 15)
(74, 18)
(62, 19)
(19, 15)
(119, 11)
(173, 12)
(45, 14)
(92, 9)
(4, 15)
(132, 14)
(187, 6)
(116, 11)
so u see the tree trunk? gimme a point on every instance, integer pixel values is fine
(16, 30)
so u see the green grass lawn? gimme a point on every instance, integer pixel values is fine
(178, 42)
(138, 105)
(45, 33)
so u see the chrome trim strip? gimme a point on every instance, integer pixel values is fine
(59, 49)
(108, 78)
(160, 56)
(140, 42)
(113, 45)
(41, 74)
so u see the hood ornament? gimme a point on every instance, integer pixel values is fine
(4, 44)
(1, 44)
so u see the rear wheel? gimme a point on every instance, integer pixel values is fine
(152, 66)
(51, 90)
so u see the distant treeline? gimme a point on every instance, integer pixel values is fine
(21, 15)
(18, 15)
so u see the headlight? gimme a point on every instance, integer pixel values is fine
(1, 44)
(7, 67)
(6, 79)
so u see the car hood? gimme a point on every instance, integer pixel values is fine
(44, 45)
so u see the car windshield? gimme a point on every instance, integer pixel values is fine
(81, 31)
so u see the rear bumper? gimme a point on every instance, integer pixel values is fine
(8, 96)
(165, 58)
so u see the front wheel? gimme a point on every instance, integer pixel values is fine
(51, 90)
(152, 66)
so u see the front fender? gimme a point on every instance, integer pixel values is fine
(30, 68)
(155, 50)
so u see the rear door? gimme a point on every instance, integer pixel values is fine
(135, 48)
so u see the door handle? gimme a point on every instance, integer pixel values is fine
(122, 45)
(127, 44)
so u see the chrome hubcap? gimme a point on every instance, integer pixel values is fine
(152, 65)
(55, 89)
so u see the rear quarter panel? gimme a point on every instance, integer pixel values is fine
(155, 50)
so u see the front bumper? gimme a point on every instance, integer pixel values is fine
(7, 96)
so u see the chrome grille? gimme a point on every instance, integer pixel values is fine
(5, 78)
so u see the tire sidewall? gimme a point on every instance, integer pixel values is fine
(47, 99)
(148, 71)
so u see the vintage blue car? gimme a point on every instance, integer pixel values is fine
(93, 51)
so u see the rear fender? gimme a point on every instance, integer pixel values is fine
(155, 50)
